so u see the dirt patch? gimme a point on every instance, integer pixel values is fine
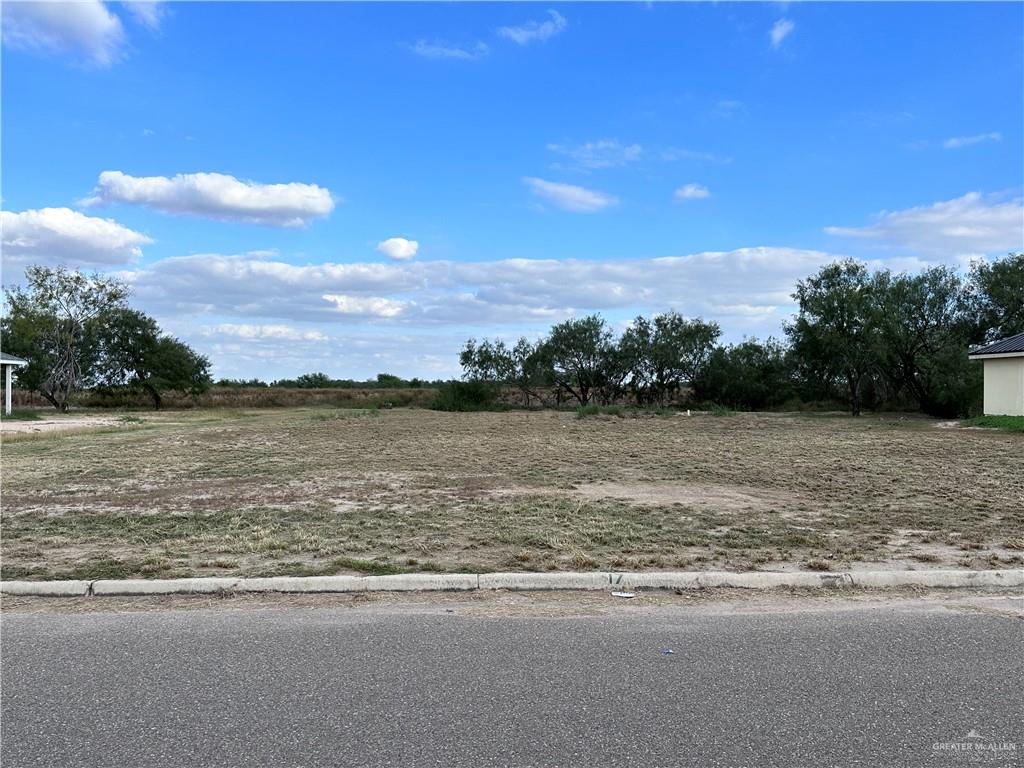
(57, 424)
(722, 498)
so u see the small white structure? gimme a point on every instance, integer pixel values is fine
(1004, 375)
(9, 363)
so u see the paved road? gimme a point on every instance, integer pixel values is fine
(876, 685)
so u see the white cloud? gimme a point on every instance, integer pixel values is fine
(524, 34)
(604, 153)
(149, 13)
(85, 28)
(780, 30)
(217, 196)
(62, 236)
(966, 141)
(512, 291)
(965, 226)
(570, 197)
(398, 248)
(273, 331)
(258, 316)
(440, 50)
(691, 192)
(372, 306)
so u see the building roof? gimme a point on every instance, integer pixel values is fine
(1011, 345)
(11, 359)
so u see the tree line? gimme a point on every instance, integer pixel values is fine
(867, 339)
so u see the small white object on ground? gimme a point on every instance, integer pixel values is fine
(623, 594)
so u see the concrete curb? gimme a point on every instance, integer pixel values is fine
(600, 580)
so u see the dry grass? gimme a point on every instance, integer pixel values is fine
(323, 490)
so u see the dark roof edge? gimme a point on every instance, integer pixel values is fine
(1009, 345)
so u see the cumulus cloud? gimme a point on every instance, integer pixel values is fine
(365, 306)
(959, 228)
(216, 196)
(531, 31)
(570, 197)
(441, 50)
(780, 30)
(604, 153)
(398, 248)
(57, 236)
(86, 29)
(966, 141)
(691, 192)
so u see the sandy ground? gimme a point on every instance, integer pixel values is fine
(56, 424)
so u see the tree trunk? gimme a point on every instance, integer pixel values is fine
(853, 382)
(155, 394)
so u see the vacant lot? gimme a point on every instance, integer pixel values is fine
(318, 490)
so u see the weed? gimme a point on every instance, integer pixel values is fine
(1008, 423)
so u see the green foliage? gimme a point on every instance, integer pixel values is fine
(53, 323)
(313, 381)
(579, 351)
(585, 411)
(926, 327)
(323, 381)
(23, 414)
(998, 296)
(837, 327)
(466, 396)
(1009, 423)
(664, 354)
(750, 375)
(134, 355)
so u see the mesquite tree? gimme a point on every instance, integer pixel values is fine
(55, 321)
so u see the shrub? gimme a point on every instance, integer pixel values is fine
(584, 411)
(466, 396)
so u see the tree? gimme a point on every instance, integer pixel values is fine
(666, 353)
(751, 375)
(531, 369)
(52, 321)
(134, 354)
(579, 352)
(313, 381)
(837, 326)
(998, 295)
(489, 361)
(925, 328)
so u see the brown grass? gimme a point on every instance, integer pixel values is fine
(326, 490)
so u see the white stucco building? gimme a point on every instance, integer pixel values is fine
(9, 363)
(1004, 375)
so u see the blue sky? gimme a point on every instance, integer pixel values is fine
(248, 168)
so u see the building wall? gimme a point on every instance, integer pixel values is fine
(1004, 386)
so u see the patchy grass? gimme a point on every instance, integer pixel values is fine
(1009, 423)
(22, 414)
(309, 491)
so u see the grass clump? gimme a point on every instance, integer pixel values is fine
(585, 411)
(1009, 423)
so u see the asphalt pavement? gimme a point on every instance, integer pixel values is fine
(441, 685)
